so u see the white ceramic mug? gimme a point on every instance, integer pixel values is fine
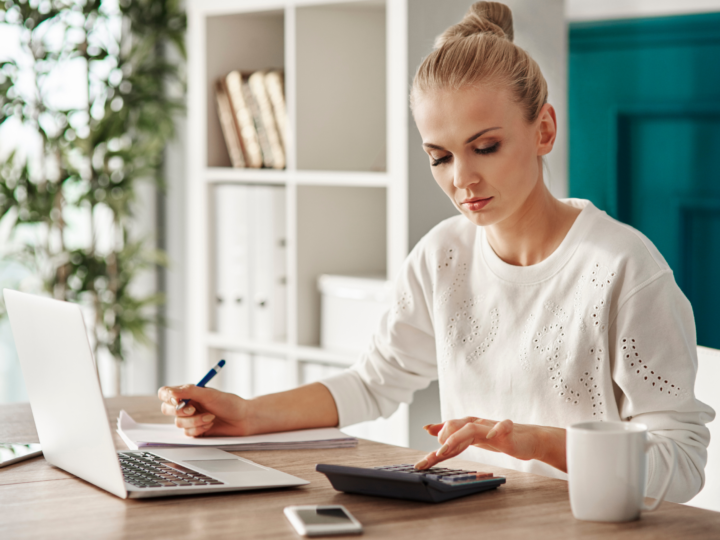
(607, 466)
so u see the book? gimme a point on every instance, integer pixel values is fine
(276, 154)
(266, 149)
(137, 435)
(244, 119)
(227, 124)
(275, 86)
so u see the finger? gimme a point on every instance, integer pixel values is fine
(433, 458)
(434, 429)
(167, 394)
(175, 394)
(452, 426)
(170, 410)
(464, 436)
(198, 430)
(455, 444)
(501, 429)
(456, 451)
(194, 421)
(424, 463)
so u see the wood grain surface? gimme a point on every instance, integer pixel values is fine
(40, 501)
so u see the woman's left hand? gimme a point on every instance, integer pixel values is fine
(521, 441)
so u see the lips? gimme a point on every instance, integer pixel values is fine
(476, 203)
(475, 199)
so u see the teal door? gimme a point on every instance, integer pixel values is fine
(644, 108)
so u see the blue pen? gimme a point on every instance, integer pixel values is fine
(206, 379)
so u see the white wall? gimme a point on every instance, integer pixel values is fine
(590, 10)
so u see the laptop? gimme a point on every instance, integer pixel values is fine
(72, 423)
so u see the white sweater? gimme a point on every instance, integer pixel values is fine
(597, 331)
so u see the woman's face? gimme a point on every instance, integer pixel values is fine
(483, 152)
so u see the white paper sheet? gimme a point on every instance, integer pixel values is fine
(138, 435)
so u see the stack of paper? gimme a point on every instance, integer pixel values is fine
(138, 436)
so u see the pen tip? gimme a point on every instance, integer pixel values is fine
(221, 363)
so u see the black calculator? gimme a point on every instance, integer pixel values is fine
(404, 482)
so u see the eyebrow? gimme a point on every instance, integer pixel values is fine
(471, 139)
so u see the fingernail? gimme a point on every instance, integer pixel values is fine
(189, 410)
(208, 417)
(421, 464)
(491, 434)
(443, 450)
(174, 401)
(428, 426)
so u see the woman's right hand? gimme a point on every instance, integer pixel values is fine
(210, 412)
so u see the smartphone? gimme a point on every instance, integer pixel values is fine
(322, 520)
(14, 452)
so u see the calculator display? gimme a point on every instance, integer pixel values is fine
(323, 516)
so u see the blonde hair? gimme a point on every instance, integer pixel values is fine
(479, 50)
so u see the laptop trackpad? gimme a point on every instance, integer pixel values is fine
(224, 465)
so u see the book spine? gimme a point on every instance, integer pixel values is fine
(275, 85)
(268, 158)
(256, 81)
(244, 120)
(228, 126)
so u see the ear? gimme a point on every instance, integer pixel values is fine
(546, 129)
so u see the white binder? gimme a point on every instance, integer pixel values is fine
(237, 376)
(268, 264)
(270, 374)
(232, 270)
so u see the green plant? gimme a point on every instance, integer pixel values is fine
(92, 155)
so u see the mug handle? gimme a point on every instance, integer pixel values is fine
(666, 486)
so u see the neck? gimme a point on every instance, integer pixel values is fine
(535, 231)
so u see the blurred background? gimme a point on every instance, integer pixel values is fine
(120, 188)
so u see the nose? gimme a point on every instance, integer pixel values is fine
(464, 175)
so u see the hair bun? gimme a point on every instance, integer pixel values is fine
(481, 18)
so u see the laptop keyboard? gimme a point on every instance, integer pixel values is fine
(147, 470)
(448, 476)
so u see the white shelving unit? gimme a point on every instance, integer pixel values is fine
(351, 204)
(346, 202)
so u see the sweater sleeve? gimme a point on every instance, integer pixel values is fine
(401, 358)
(654, 370)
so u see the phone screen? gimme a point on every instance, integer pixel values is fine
(324, 516)
(11, 451)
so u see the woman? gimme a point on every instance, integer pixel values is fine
(533, 311)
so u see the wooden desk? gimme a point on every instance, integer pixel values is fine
(39, 501)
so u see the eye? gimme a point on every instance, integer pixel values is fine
(440, 161)
(489, 150)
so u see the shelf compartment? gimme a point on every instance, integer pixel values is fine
(341, 120)
(302, 353)
(250, 375)
(301, 178)
(246, 176)
(316, 354)
(218, 341)
(340, 230)
(246, 42)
